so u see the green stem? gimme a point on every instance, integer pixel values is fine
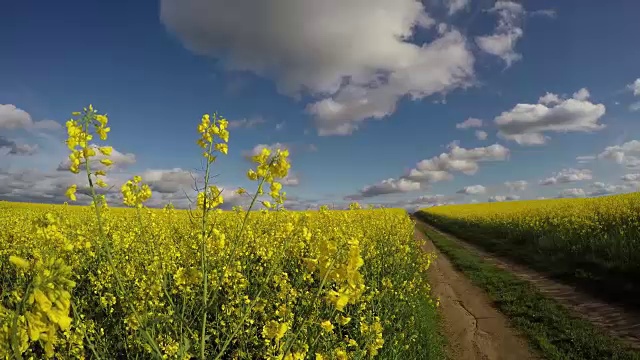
(97, 206)
(203, 256)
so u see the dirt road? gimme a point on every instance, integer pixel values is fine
(619, 321)
(473, 327)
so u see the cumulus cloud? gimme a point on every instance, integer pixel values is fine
(423, 202)
(500, 198)
(526, 123)
(454, 6)
(168, 185)
(469, 123)
(626, 154)
(12, 118)
(567, 176)
(34, 186)
(247, 123)
(481, 135)
(600, 188)
(120, 160)
(355, 63)
(630, 177)
(635, 87)
(572, 193)
(519, 185)
(17, 149)
(389, 186)
(635, 106)
(168, 181)
(428, 199)
(582, 94)
(458, 159)
(549, 99)
(503, 41)
(472, 190)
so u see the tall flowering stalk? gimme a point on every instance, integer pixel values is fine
(214, 137)
(79, 131)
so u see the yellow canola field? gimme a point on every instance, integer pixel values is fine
(318, 284)
(603, 231)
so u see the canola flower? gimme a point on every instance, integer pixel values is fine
(602, 231)
(110, 282)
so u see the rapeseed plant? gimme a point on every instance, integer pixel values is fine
(600, 231)
(99, 283)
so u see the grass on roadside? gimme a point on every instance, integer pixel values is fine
(550, 328)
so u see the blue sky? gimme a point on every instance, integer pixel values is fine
(360, 91)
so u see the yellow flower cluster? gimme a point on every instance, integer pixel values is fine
(209, 132)
(270, 168)
(602, 230)
(78, 282)
(134, 193)
(79, 131)
(38, 308)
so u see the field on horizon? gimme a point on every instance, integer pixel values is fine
(598, 235)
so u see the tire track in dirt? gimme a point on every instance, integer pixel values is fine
(616, 320)
(474, 328)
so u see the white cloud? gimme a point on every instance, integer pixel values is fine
(472, 190)
(12, 118)
(503, 41)
(423, 202)
(549, 99)
(389, 186)
(169, 181)
(567, 176)
(526, 123)
(458, 159)
(631, 177)
(246, 123)
(572, 193)
(634, 106)
(582, 94)
(354, 57)
(428, 199)
(600, 188)
(168, 185)
(120, 160)
(626, 154)
(635, 87)
(499, 198)
(290, 180)
(280, 126)
(469, 123)
(481, 135)
(456, 5)
(585, 159)
(519, 185)
(14, 148)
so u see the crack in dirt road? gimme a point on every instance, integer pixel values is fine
(475, 329)
(476, 319)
